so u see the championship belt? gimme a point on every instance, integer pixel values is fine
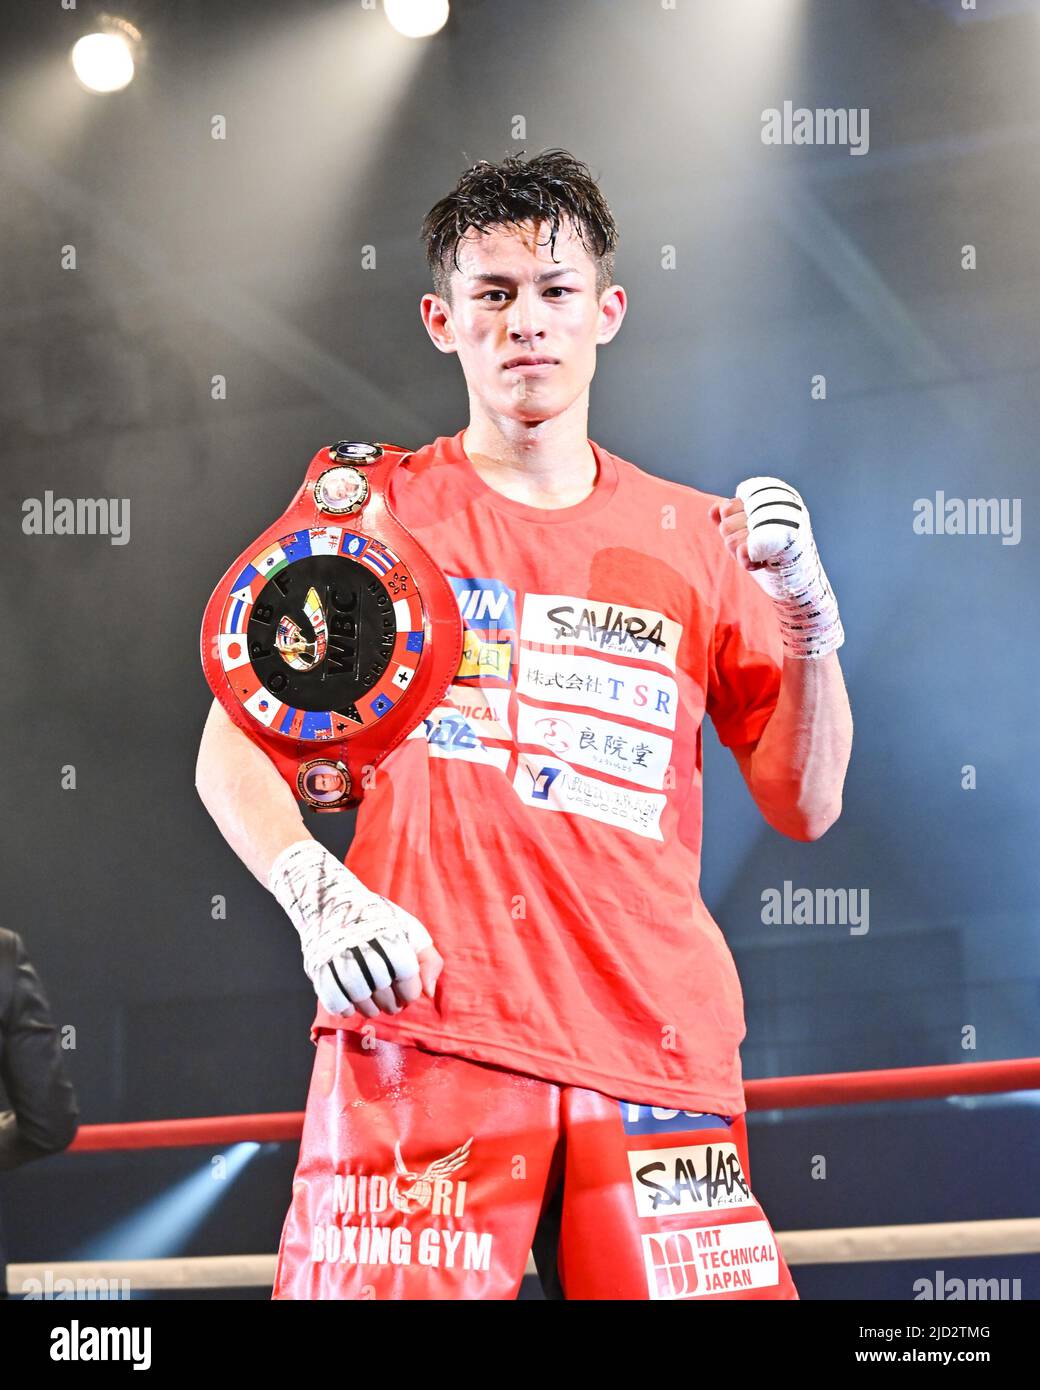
(334, 634)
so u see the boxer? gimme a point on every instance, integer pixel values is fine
(528, 1024)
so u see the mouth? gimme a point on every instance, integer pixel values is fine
(530, 365)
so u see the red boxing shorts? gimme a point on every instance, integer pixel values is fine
(425, 1176)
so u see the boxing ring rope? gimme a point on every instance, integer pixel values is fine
(858, 1244)
(900, 1083)
(776, 1093)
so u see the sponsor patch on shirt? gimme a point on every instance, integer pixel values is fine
(484, 707)
(599, 745)
(488, 608)
(549, 784)
(561, 620)
(449, 734)
(605, 686)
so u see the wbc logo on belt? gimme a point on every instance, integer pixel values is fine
(290, 643)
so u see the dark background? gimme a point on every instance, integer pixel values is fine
(243, 258)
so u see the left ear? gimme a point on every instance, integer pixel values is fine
(613, 306)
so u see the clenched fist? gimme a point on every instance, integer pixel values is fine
(766, 527)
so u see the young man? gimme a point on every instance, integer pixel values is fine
(529, 1022)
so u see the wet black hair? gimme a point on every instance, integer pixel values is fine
(548, 187)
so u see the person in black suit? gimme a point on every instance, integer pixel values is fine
(44, 1115)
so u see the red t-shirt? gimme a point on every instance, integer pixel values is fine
(544, 822)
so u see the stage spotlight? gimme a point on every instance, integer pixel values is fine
(104, 62)
(416, 19)
(164, 1225)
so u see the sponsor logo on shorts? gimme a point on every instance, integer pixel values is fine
(414, 1191)
(708, 1260)
(673, 1182)
(410, 1191)
(653, 1119)
(385, 1245)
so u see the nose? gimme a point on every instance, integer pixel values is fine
(524, 318)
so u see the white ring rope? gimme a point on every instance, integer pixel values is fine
(851, 1245)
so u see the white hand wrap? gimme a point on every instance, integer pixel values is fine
(354, 941)
(779, 534)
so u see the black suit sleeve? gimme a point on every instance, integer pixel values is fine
(44, 1113)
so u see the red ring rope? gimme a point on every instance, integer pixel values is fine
(776, 1093)
(902, 1083)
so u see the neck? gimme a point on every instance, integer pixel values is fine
(544, 463)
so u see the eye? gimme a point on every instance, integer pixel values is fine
(552, 289)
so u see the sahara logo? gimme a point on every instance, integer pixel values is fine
(673, 1182)
(555, 621)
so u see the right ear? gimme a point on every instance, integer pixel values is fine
(436, 316)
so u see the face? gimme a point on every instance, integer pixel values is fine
(513, 300)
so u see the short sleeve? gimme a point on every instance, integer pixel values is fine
(746, 661)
